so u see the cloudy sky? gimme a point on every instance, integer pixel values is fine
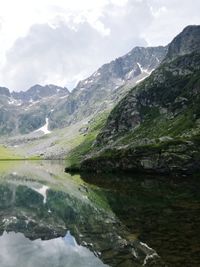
(64, 41)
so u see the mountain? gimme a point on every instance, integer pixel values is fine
(49, 121)
(24, 112)
(52, 107)
(38, 92)
(104, 88)
(4, 91)
(156, 126)
(185, 43)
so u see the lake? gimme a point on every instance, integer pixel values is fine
(52, 218)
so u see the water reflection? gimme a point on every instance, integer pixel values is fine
(124, 221)
(162, 211)
(39, 200)
(17, 250)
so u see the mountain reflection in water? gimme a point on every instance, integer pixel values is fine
(51, 218)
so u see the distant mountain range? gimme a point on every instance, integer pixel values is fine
(25, 112)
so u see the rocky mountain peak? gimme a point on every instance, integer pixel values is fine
(127, 67)
(165, 92)
(186, 42)
(38, 92)
(4, 91)
(105, 87)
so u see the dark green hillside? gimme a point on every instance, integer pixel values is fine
(156, 127)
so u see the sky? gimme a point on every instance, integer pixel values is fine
(64, 41)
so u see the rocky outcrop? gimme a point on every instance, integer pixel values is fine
(185, 43)
(4, 91)
(181, 158)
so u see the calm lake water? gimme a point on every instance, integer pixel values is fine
(51, 218)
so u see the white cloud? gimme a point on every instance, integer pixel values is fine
(60, 41)
(169, 18)
(158, 12)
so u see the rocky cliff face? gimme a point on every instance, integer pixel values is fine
(185, 43)
(103, 89)
(4, 91)
(160, 117)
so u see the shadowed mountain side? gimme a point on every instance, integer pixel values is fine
(155, 127)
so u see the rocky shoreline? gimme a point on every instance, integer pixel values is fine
(182, 158)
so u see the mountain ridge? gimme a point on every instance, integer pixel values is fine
(155, 127)
(26, 111)
(105, 87)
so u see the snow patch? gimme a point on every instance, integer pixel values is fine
(96, 74)
(11, 102)
(14, 102)
(157, 60)
(42, 191)
(44, 128)
(129, 74)
(144, 70)
(140, 80)
(88, 81)
(65, 96)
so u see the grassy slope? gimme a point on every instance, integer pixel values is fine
(7, 154)
(32, 147)
(61, 140)
(182, 126)
(84, 147)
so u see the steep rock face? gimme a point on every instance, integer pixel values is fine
(185, 43)
(172, 90)
(159, 112)
(107, 85)
(4, 91)
(7, 113)
(7, 121)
